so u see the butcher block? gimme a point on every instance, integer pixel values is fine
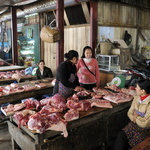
(95, 128)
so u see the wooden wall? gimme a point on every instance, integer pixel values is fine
(75, 38)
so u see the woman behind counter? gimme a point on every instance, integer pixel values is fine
(88, 71)
(43, 71)
(66, 79)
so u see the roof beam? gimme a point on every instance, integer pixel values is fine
(86, 11)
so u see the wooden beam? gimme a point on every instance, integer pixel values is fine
(14, 36)
(86, 11)
(93, 24)
(66, 19)
(60, 27)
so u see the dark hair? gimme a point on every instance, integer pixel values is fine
(71, 54)
(84, 49)
(41, 61)
(145, 85)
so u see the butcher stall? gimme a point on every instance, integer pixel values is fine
(13, 93)
(86, 120)
(94, 128)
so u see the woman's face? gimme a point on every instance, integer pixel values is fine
(88, 53)
(41, 65)
(139, 91)
(74, 60)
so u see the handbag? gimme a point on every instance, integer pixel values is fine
(88, 68)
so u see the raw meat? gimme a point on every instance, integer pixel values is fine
(82, 105)
(118, 97)
(100, 103)
(71, 114)
(29, 87)
(47, 109)
(114, 87)
(18, 116)
(101, 91)
(19, 106)
(58, 101)
(32, 104)
(40, 123)
(40, 85)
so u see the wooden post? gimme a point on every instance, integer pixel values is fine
(14, 36)
(93, 24)
(60, 27)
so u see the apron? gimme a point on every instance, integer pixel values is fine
(135, 134)
(66, 91)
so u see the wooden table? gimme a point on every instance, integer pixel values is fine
(94, 128)
(16, 97)
(11, 80)
(9, 68)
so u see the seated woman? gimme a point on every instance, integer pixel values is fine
(138, 128)
(43, 71)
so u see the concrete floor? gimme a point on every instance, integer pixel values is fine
(5, 138)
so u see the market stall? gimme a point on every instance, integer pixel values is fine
(17, 96)
(96, 126)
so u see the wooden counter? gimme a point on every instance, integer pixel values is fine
(11, 80)
(9, 68)
(94, 128)
(16, 97)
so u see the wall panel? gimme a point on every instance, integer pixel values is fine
(75, 37)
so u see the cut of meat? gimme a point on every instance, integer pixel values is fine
(46, 101)
(129, 91)
(29, 87)
(100, 103)
(18, 116)
(14, 85)
(114, 87)
(40, 123)
(32, 104)
(40, 85)
(118, 97)
(82, 105)
(101, 91)
(58, 101)
(71, 114)
(47, 109)
(19, 106)
(8, 110)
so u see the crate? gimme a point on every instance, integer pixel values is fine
(108, 62)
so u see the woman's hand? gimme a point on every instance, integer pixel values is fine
(79, 88)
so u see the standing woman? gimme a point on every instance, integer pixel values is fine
(66, 78)
(43, 71)
(88, 71)
(138, 128)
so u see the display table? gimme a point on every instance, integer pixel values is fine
(11, 80)
(9, 68)
(93, 129)
(16, 97)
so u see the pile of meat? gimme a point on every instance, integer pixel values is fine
(53, 113)
(16, 88)
(12, 74)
